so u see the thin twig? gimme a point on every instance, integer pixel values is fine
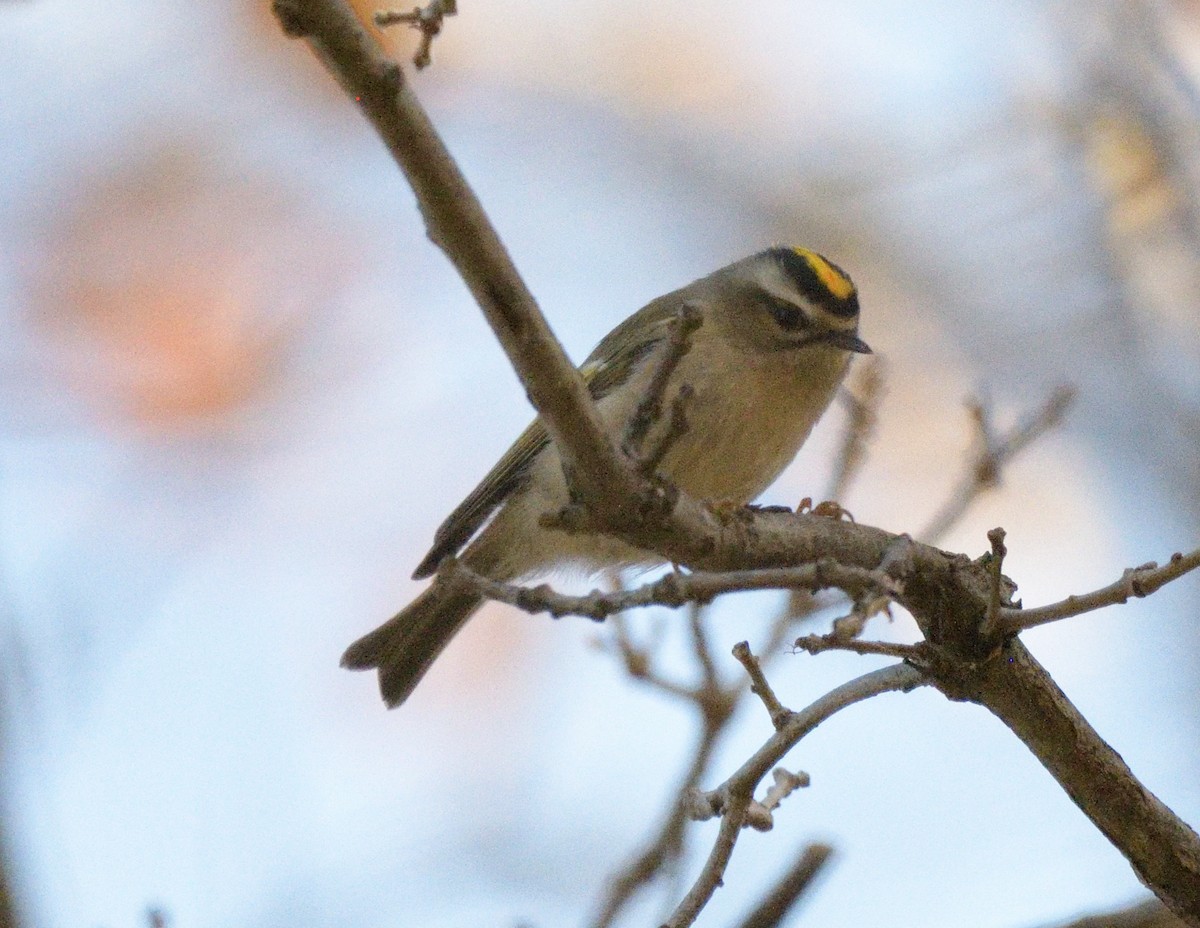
(649, 410)
(732, 798)
(668, 844)
(702, 649)
(862, 401)
(759, 685)
(791, 887)
(676, 589)
(427, 20)
(815, 644)
(991, 618)
(715, 704)
(666, 847)
(714, 868)
(895, 678)
(993, 455)
(638, 663)
(1135, 582)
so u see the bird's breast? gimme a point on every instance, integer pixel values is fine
(745, 426)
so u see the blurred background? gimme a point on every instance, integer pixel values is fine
(241, 389)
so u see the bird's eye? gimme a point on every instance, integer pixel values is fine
(787, 317)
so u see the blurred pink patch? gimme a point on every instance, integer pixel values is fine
(163, 290)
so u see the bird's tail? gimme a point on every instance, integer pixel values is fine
(404, 647)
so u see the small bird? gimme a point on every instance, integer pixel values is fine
(774, 341)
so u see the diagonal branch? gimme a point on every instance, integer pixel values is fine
(1134, 582)
(714, 868)
(994, 454)
(760, 686)
(1163, 850)
(715, 702)
(895, 678)
(456, 223)
(787, 892)
(649, 410)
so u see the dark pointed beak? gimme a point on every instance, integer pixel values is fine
(849, 342)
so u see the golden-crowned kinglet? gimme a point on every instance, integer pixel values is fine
(775, 338)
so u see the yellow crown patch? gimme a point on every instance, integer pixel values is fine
(830, 277)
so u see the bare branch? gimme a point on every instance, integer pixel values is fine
(702, 649)
(759, 685)
(779, 902)
(993, 455)
(996, 595)
(427, 20)
(896, 678)
(1163, 850)
(649, 410)
(733, 799)
(863, 404)
(1134, 582)
(638, 663)
(815, 644)
(676, 588)
(947, 594)
(715, 704)
(666, 846)
(456, 223)
(714, 868)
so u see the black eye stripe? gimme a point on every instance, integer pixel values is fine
(788, 317)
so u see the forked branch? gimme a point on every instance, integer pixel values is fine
(427, 20)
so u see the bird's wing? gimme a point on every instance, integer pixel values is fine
(611, 364)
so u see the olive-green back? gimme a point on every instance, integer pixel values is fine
(609, 365)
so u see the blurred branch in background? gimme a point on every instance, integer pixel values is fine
(8, 905)
(1148, 914)
(714, 701)
(781, 900)
(862, 396)
(993, 453)
(1139, 131)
